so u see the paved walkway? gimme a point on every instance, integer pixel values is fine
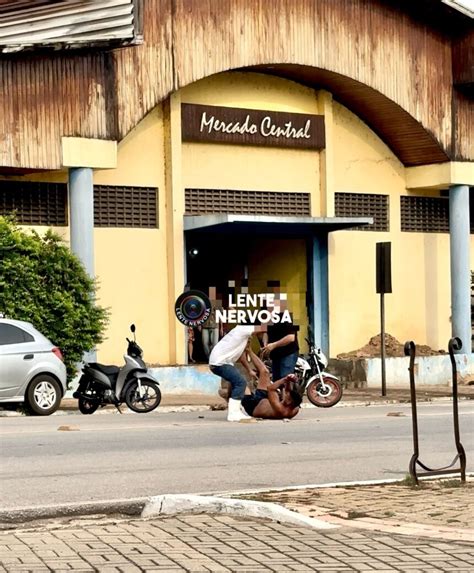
(380, 528)
(196, 543)
(446, 504)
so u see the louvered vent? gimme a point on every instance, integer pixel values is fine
(364, 205)
(205, 201)
(125, 206)
(34, 203)
(424, 214)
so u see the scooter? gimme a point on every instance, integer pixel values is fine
(100, 385)
(323, 389)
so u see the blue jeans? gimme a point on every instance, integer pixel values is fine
(281, 366)
(232, 375)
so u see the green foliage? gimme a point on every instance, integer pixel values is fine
(43, 283)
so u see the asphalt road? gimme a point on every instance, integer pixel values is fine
(113, 456)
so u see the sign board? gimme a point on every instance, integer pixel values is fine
(212, 124)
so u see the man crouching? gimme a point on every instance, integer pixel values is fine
(271, 401)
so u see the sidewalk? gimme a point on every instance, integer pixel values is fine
(194, 401)
(351, 397)
(220, 543)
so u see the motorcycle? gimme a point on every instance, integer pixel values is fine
(100, 385)
(323, 389)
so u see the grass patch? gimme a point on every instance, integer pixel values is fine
(451, 483)
(409, 481)
(352, 514)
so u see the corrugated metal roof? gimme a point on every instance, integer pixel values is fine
(464, 6)
(66, 23)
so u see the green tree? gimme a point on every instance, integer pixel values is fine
(45, 284)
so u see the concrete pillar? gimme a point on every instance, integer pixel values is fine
(460, 265)
(81, 209)
(81, 220)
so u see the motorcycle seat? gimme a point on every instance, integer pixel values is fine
(107, 370)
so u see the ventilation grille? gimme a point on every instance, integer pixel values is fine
(34, 203)
(125, 206)
(364, 205)
(424, 214)
(205, 201)
(429, 214)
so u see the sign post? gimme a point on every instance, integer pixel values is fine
(383, 285)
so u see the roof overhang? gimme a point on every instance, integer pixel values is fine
(270, 224)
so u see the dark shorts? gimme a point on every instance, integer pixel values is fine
(251, 401)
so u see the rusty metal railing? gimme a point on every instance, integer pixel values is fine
(410, 350)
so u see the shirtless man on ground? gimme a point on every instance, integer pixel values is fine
(272, 401)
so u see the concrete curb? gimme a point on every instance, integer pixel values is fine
(136, 506)
(209, 408)
(27, 514)
(386, 481)
(176, 504)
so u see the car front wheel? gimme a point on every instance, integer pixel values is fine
(44, 395)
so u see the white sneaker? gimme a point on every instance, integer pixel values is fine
(236, 412)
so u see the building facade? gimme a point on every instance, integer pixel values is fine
(250, 142)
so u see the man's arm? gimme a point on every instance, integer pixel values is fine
(274, 396)
(259, 365)
(245, 363)
(288, 339)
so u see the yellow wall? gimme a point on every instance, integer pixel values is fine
(419, 307)
(131, 264)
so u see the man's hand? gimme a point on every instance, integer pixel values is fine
(267, 349)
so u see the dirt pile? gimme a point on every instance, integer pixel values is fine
(393, 348)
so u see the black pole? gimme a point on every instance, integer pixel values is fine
(410, 350)
(456, 344)
(382, 329)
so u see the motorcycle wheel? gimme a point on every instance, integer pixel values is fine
(148, 401)
(324, 398)
(87, 406)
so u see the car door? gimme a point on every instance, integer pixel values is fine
(16, 357)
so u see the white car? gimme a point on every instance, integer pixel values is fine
(31, 368)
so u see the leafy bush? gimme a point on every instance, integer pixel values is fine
(42, 282)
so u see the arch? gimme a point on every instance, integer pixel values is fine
(407, 138)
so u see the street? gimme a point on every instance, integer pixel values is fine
(113, 456)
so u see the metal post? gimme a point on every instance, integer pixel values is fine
(460, 264)
(382, 329)
(453, 345)
(410, 350)
(318, 284)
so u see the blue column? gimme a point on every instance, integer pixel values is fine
(81, 221)
(460, 265)
(319, 291)
(81, 209)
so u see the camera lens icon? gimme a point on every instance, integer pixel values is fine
(192, 308)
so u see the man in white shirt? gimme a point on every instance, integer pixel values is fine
(225, 354)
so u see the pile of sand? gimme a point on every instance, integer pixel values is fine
(393, 348)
